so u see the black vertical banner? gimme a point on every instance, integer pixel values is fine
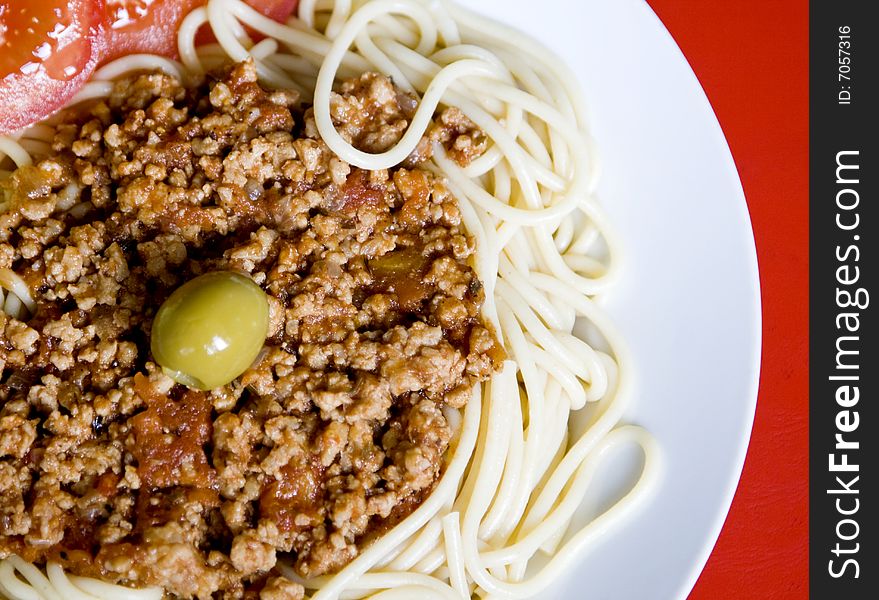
(844, 370)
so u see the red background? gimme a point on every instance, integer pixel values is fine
(752, 59)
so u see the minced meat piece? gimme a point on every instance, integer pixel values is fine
(334, 434)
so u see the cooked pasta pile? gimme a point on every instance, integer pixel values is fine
(516, 473)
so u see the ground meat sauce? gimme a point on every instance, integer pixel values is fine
(337, 431)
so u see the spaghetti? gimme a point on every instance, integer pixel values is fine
(517, 471)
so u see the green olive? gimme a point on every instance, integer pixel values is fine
(211, 329)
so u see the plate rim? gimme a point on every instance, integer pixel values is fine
(750, 352)
(756, 304)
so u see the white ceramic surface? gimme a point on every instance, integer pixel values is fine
(689, 302)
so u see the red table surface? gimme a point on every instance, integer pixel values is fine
(751, 57)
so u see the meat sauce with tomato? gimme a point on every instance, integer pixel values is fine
(337, 431)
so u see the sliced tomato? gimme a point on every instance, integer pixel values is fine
(279, 10)
(150, 26)
(144, 26)
(48, 50)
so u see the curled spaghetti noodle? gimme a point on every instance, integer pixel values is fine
(18, 297)
(519, 468)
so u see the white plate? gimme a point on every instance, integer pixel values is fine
(689, 302)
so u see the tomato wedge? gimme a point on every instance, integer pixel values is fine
(150, 26)
(144, 26)
(279, 10)
(48, 50)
